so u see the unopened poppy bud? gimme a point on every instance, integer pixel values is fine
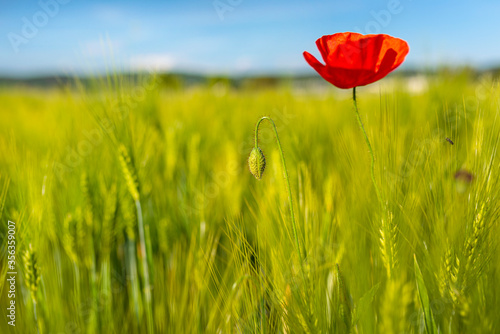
(257, 162)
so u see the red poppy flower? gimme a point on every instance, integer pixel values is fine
(356, 60)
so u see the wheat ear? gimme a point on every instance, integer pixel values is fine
(132, 181)
(32, 277)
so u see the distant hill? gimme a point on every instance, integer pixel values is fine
(182, 80)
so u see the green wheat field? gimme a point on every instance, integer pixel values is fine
(135, 210)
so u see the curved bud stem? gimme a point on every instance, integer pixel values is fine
(285, 171)
(369, 147)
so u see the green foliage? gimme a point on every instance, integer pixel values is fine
(80, 171)
(423, 296)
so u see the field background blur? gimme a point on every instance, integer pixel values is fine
(221, 253)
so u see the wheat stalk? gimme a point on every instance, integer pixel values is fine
(107, 223)
(69, 237)
(129, 172)
(344, 298)
(72, 231)
(388, 243)
(32, 277)
(89, 259)
(395, 302)
(132, 181)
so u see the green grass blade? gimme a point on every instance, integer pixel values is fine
(423, 296)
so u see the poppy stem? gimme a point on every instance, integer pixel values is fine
(369, 146)
(285, 172)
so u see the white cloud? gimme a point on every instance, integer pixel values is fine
(243, 64)
(152, 62)
(100, 48)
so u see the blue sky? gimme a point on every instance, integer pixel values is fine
(232, 36)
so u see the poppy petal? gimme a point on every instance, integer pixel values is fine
(314, 63)
(353, 59)
(385, 66)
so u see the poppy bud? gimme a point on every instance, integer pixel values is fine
(257, 163)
